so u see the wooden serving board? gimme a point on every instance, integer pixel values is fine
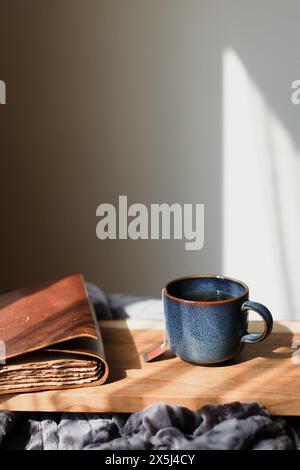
(267, 372)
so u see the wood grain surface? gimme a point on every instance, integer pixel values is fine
(267, 372)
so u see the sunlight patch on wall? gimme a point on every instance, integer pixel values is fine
(261, 194)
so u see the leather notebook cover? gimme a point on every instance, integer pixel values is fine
(50, 338)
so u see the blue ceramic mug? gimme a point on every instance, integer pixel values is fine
(207, 318)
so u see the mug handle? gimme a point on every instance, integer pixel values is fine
(267, 319)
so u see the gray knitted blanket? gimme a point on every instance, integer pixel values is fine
(160, 426)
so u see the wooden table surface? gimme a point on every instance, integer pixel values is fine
(267, 372)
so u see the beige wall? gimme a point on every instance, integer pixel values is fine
(109, 97)
(105, 98)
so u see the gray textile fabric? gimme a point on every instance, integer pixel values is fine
(160, 426)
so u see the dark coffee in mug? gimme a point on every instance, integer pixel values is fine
(207, 296)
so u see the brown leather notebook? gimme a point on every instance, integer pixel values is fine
(50, 338)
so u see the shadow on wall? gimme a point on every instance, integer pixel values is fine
(106, 100)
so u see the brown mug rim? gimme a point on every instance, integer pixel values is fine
(201, 302)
